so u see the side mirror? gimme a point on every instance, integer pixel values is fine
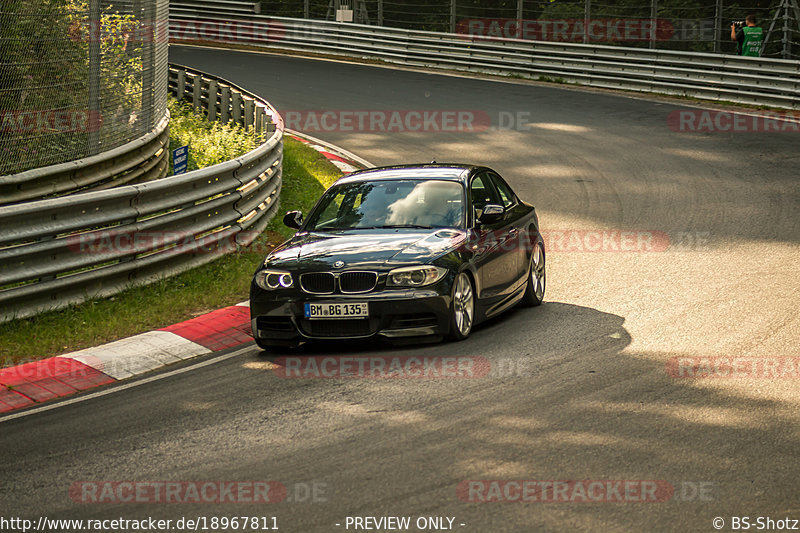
(491, 214)
(293, 219)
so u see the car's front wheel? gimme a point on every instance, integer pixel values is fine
(534, 291)
(462, 309)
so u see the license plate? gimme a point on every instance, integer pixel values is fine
(333, 311)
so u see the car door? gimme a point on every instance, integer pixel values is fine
(493, 244)
(518, 238)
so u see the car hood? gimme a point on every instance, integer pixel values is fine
(364, 248)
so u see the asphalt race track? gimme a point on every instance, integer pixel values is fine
(583, 388)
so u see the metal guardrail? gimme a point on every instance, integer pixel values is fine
(61, 251)
(687, 26)
(747, 80)
(230, 103)
(142, 159)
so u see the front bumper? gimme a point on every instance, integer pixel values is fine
(392, 314)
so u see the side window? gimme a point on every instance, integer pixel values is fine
(506, 194)
(482, 192)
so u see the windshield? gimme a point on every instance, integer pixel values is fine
(389, 204)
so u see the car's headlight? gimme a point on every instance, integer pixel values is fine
(270, 280)
(415, 276)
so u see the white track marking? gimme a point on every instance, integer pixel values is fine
(138, 354)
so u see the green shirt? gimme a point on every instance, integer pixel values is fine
(753, 39)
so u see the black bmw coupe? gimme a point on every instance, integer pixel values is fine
(400, 252)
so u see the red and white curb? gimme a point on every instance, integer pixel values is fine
(40, 381)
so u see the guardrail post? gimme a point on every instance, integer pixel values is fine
(653, 21)
(148, 58)
(260, 120)
(718, 28)
(249, 112)
(587, 14)
(236, 103)
(212, 100)
(787, 34)
(197, 91)
(380, 12)
(453, 16)
(225, 105)
(181, 90)
(93, 140)
(306, 9)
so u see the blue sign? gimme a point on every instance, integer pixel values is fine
(180, 157)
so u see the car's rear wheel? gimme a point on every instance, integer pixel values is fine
(534, 291)
(462, 310)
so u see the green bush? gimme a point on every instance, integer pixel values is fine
(209, 142)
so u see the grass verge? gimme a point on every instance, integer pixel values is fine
(226, 281)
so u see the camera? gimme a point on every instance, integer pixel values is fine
(737, 23)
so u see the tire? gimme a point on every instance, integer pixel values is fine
(462, 309)
(534, 290)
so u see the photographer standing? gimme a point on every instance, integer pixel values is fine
(749, 37)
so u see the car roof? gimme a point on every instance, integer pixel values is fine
(441, 171)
